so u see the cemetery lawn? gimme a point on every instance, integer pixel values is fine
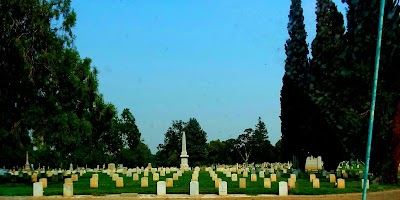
(206, 186)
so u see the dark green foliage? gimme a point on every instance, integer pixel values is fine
(338, 86)
(327, 60)
(169, 152)
(223, 152)
(262, 148)
(129, 131)
(196, 144)
(49, 94)
(253, 145)
(295, 103)
(28, 44)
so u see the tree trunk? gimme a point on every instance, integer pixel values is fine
(396, 142)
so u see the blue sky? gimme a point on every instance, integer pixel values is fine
(220, 62)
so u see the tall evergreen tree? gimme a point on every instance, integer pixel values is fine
(196, 141)
(295, 103)
(327, 59)
(344, 93)
(262, 148)
(362, 27)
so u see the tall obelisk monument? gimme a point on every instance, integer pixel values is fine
(184, 155)
(27, 167)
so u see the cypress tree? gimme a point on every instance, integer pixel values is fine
(327, 57)
(357, 74)
(294, 101)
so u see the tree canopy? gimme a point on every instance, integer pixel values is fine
(50, 101)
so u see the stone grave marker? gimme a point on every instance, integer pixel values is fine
(68, 189)
(195, 177)
(223, 188)
(234, 177)
(119, 182)
(273, 177)
(341, 183)
(144, 182)
(135, 177)
(267, 183)
(261, 174)
(175, 176)
(111, 166)
(38, 189)
(215, 177)
(169, 182)
(94, 182)
(312, 177)
(291, 183)
(242, 183)
(194, 188)
(253, 177)
(315, 183)
(34, 178)
(332, 178)
(217, 182)
(283, 188)
(44, 182)
(114, 177)
(68, 180)
(74, 177)
(161, 188)
(278, 174)
(156, 177)
(362, 184)
(245, 174)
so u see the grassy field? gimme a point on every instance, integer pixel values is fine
(206, 186)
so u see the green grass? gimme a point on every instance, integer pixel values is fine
(206, 186)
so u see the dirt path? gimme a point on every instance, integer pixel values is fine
(385, 195)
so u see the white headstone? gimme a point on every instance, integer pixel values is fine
(194, 188)
(283, 189)
(362, 184)
(261, 174)
(161, 188)
(68, 190)
(223, 188)
(38, 189)
(129, 174)
(234, 177)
